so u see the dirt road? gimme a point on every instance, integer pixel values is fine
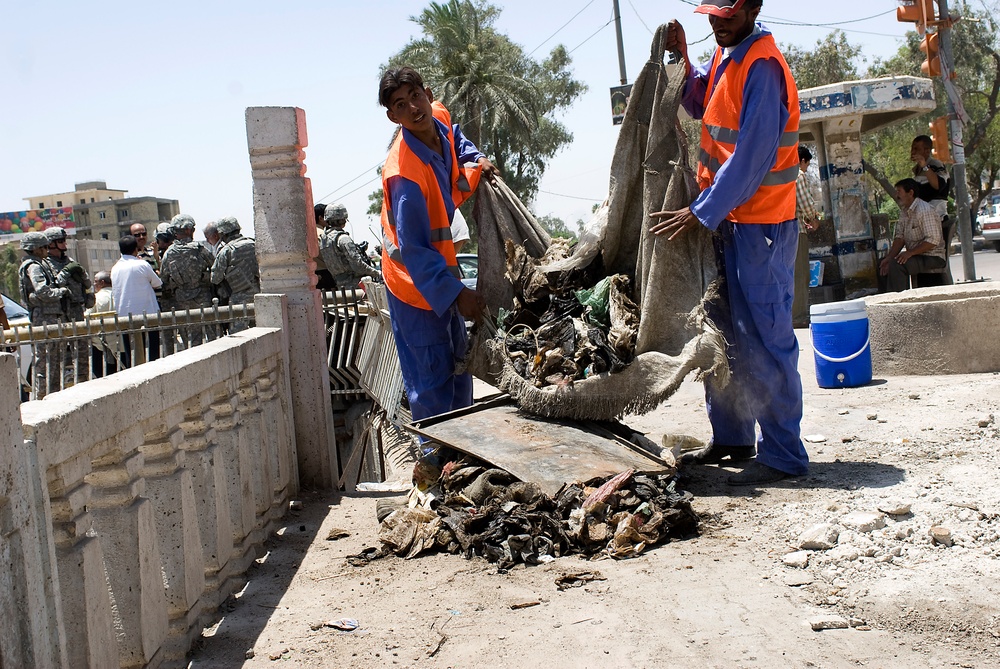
(891, 461)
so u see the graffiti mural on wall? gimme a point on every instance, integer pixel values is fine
(36, 220)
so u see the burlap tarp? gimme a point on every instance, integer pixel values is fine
(673, 279)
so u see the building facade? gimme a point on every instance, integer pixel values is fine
(106, 213)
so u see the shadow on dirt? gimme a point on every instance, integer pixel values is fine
(710, 481)
(241, 618)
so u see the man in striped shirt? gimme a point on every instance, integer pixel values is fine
(808, 216)
(919, 232)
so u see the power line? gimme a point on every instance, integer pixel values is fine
(377, 165)
(639, 17)
(572, 197)
(610, 21)
(791, 22)
(561, 28)
(787, 22)
(342, 187)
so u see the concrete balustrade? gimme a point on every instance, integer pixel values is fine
(131, 506)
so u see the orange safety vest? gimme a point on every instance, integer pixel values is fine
(402, 161)
(774, 201)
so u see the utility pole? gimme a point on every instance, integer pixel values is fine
(955, 115)
(621, 44)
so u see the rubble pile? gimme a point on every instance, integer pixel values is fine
(478, 511)
(566, 326)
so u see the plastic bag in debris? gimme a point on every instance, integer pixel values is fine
(671, 280)
(596, 301)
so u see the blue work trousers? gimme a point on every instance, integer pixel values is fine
(429, 347)
(756, 263)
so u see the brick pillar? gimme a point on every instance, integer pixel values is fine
(286, 245)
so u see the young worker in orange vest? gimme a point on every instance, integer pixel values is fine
(431, 169)
(749, 106)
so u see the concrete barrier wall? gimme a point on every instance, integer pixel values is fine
(940, 330)
(134, 504)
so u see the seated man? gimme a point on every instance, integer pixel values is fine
(919, 231)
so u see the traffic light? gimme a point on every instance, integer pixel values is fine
(920, 12)
(940, 140)
(932, 64)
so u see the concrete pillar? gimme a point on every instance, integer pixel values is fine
(286, 245)
(254, 429)
(125, 525)
(32, 632)
(83, 580)
(272, 311)
(855, 244)
(170, 489)
(208, 479)
(232, 451)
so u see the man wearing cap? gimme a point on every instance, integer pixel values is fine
(748, 103)
(340, 254)
(163, 239)
(44, 296)
(186, 268)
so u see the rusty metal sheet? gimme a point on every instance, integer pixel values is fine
(547, 452)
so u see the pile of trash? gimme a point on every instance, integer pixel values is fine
(479, 511)
(563, 327)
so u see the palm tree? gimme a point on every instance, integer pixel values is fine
(504, 100)
(476, 72)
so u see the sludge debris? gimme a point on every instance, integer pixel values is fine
(564, 327)
(477, 511)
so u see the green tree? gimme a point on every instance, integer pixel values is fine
(10, 260)
(505, 100)
(557, 227)
(976, 50)
(831, 60)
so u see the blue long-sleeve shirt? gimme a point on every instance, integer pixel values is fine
(425, 265)
(762, 123)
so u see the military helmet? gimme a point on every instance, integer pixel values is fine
(55, 234)
(163, 232)
(335, 212)
(181, 222)
(34, 240)
(227, 225)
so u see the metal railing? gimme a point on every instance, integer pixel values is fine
(55, 357)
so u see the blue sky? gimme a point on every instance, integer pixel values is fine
(151, 97)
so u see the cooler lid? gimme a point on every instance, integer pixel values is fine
(849, 307)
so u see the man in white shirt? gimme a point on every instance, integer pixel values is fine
(132, 284)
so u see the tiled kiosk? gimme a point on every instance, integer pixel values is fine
(833, 119)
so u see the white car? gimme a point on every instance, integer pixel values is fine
(18, 316)
(468, 263)
(990, 225)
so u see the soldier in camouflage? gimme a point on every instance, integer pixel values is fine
(46, 298)
(78, 281)
(81, 297)
(186, 268)
(163, 239)
(236, 267)
(339, 252)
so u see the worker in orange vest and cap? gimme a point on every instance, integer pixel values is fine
(747, 167)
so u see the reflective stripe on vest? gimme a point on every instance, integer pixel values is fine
(402, 161)
(774, 201)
